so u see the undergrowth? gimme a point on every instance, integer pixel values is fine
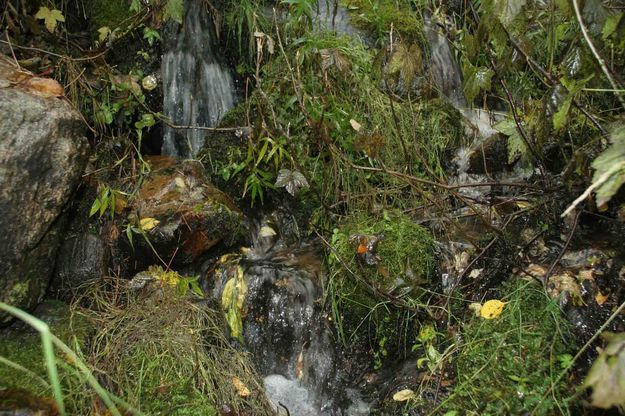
(510, 365)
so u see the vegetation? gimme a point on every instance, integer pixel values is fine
(356, 131)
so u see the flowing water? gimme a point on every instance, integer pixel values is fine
(197, 88)
(284, 327)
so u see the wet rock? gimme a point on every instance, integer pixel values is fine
(42, 155)
(188, 214)
(488, 156)
(82, 258)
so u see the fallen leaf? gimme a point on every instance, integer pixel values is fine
(267, 231)
(355, 125)
(361, 249)
(403, 395)
(475, 273)
(146, 224)
(44, 87)
(600, 298)
(241, 388)
(492, 309)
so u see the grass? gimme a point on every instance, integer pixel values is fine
(507, 365)
(167, 353)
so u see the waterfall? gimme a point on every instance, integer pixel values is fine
(197, 88)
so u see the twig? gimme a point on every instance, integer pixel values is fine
(566, 245)
(600, 181)
(30, 48)
(594, 51)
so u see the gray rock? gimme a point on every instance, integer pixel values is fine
(82, 258)
(42, 154)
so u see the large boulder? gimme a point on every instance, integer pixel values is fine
(43, 152)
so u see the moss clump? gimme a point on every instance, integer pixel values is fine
(378, 16)
(508, 365)
(404, 249)
(359, 290)
(109, 13)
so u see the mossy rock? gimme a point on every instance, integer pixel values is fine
(405, 249)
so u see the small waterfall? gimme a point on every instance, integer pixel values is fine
(197, 88)
(284, 328)
(444, 68)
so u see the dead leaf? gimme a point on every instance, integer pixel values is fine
(492, 309)
(146, 224)
(355, 125)
(241, 388)
(403, 395)
(44, 87)
(476, 307)
(600, 298)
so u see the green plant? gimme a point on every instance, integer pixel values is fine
(111, 200)
(77, 368)
(491, 363)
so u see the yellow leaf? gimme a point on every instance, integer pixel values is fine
(403, 395)
(146, 224)
(600, 298)
(50, 17)
(492, 309)
(241, 388)
(355, 125)
(267, 231)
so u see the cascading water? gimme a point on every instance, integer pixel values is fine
(284, 329)
(197, 88)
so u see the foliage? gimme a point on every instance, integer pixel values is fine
(491, 363)
(607, 375)
(45, 353)
(50, 17)
(610, 167)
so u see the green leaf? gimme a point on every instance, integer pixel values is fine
(611, 24)
(94, 207)
(610, 167)
(50, 17)
(135, 6)
(151, 35)
(607, 375)
(516, 145)
(477, 79)
(505, 10)
(103, 33)
(233, 300)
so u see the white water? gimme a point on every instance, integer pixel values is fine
(197, 88)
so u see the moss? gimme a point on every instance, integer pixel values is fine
(377, 16)
(21, 345)
(406, 260)
(109, 13)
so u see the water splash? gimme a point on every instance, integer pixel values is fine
(197, 88)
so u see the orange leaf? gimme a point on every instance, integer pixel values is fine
(362, 249)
